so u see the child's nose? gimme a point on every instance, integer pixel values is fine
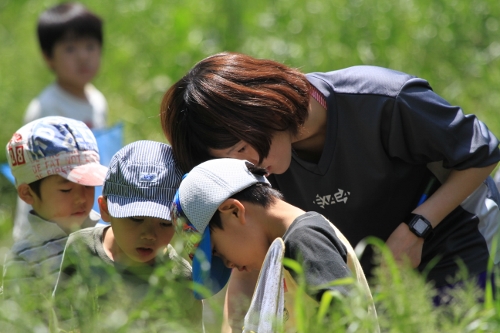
(229, 264)
(148, 233)
(83, 53)
(80, 195)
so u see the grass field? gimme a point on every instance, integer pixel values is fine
(149, 44)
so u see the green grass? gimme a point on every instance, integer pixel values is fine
(402, 299)
(149, 44)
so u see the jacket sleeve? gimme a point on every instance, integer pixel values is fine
(24, 278)
(69, 288)
(18, 276)
(422, 127)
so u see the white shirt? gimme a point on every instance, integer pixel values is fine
(55, 101)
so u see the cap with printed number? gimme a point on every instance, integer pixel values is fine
(55, 146)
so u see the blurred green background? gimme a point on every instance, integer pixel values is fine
(149, 44)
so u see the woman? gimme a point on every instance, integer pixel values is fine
(359, 145)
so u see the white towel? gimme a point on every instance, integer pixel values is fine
(265, 314)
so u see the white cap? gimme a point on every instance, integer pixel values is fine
(200, 194)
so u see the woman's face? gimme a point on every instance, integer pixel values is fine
(277, 161)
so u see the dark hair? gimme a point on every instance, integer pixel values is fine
(259, 194)
(67, 20)
(35, 187)
(230, 97)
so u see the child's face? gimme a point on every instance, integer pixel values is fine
(64, 202)
(75, 61)
(238, 246)
(140, 238)
(277, 161)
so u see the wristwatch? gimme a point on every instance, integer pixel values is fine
(419, 225)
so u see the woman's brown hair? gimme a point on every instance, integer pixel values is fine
(230, 97)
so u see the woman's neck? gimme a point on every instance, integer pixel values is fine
(308, 144)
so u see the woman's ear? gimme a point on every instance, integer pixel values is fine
(233, 207)
(26, 194)
(103, 208)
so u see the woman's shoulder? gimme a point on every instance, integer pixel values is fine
(364, 79)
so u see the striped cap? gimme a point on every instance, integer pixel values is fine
(142, 180)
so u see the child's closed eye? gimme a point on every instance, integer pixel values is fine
(166, 224)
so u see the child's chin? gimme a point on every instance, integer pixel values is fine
(72, 223)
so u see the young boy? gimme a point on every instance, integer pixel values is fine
(232, 205)
(70, 38)
(115, 264)
(55, 161)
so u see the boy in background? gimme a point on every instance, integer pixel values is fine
(115, 264)
(239, 215)
(55, 162)
(70, 38)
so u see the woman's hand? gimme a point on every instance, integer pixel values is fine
(405, 245)
(457, 187)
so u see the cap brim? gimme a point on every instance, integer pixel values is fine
(120, 207)
(91, 174)
(209, 272)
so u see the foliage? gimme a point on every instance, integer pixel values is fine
(158, 312)
(403, 302)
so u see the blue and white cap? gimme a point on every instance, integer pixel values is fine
(55, 146)
(142, 180)
(200, 194)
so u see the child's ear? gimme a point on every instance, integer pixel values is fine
(233, 207)
(26, 194)
(103, 208)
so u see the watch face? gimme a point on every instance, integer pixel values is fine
(420, 226)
